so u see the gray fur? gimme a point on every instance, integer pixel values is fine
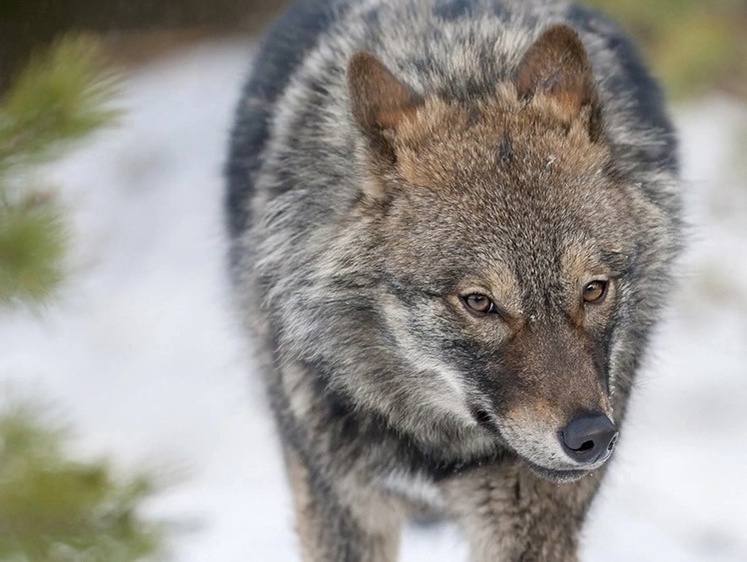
(386, 399)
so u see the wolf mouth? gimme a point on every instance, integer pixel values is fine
(561, 476)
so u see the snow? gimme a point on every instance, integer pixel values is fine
(144, 357)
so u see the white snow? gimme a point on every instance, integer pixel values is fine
(144, 357)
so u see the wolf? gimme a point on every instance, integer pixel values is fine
(453, 226)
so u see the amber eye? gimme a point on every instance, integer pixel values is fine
(479, 303)
(595, 291)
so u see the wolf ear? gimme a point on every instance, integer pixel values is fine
(378, 99)
(558, 66)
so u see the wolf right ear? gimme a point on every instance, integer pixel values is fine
(378, 99)
(558, 66)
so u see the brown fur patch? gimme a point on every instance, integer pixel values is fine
(558, 374)
(379, 100)
(544, 409)
(445, 144)
(305, 516)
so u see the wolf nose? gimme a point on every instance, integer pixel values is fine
(589, 437)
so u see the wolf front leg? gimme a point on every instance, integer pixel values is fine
(335, 525)
(509, 514)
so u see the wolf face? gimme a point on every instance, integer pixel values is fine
(504, 248)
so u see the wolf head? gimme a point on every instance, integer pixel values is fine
(492, 282)
(508, 244)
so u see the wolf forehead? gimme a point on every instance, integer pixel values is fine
(503, 184)
(501, 161)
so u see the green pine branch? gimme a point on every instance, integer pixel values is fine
(61, 97)
(54, 509)
(33, 243)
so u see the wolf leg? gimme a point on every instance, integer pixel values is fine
(511, 515)
(335, 528)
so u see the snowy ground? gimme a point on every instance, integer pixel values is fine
(143, 354)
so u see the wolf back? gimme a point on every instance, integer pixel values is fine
(451, 223)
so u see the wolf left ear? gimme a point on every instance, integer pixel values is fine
(558, 66)
(378, 99)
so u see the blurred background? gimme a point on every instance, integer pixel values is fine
(131, 425)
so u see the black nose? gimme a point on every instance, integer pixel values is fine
(589, 437)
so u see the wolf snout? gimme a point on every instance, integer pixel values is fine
(589, 438)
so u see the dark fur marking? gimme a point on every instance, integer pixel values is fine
(506, 151)
(451, 10)
(282, 50)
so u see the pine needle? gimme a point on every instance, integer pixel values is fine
(61, 98)
(54, 508)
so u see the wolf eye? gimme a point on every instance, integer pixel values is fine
(595, 291)
(479, 303)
